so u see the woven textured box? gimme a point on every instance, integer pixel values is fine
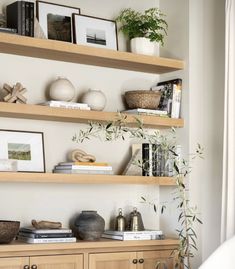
(143, 99)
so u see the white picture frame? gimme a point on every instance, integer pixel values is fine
(25, 147)
(56, 20)
(95, 32)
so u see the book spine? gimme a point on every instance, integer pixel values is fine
(45, 231)
(31, 19)
(47, 240)
(91, 172)
(145, 159)
(23, 21)
(176, 98)
(13, 12)
(27, 8)
(52, 235)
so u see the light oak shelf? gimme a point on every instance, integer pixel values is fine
(37, 112)
(103, 244)
(18, 177)
(67, 52)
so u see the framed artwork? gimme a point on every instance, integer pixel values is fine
(95, 32)
(56, 20)
(25, 147)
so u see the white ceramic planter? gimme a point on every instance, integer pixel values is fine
(142, 45)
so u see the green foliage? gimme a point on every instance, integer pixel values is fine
(150, 24)
(188, 215)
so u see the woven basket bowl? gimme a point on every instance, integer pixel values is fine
(143, 99)
(8, 230)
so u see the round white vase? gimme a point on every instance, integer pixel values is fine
(62, 90)
(142, 45)
(95, 99)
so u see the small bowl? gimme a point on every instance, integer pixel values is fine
(143, 99)
(8, 230)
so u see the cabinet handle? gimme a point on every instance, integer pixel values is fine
(26, 267)
(141, 260)
(34, 266)
(135, 261)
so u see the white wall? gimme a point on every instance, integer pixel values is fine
(60, 202)
(198, 37)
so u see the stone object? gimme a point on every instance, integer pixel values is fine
(89, 225)
(95, 99)
(79, 155)
(62, 90)
(8, 230)
(44, 224)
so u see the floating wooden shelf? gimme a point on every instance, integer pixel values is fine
(67, 52)
(83, 179)
(37, 112)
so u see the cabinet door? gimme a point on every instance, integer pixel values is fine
(122, 260)
(14, 263)
(57, 262)
(155, 260)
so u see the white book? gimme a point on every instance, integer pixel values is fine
(44, 231)
(145, 232)
(63, 103)
(122, 238)
(91, 172)
(84, 167)
(146, 111)
(46, 240)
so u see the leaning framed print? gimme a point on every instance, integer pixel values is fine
(27, 148)
(56, 20)
(96, 32)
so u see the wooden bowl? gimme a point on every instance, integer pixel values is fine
(8, 230)
(143, 99)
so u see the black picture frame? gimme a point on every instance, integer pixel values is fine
(56, 20)
(87, 28)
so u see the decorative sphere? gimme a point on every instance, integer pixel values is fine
(95, 99)
(62, 90)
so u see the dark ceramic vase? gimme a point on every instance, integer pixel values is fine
(89, 225)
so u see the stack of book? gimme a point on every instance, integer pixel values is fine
(152, 160)
(138, 235)
(20, 16)
(144, 111)
(63, 104)
(37, 236)
(83, 168)
(170, 100)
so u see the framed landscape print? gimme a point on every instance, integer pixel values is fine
(27, 148)
(56, 20)
(95, 32)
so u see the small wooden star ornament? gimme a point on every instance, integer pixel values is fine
(15, 93)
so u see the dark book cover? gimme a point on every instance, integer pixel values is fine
(27, 18)
(23, 20)
(154, 159)
(145, 159)
(31, 19)
(170, 96)
(13, 12)
(46, 235)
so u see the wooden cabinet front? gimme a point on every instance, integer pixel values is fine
(132, 260)
(14, 263)
(119, 260)
(156, 260)
(57, 262)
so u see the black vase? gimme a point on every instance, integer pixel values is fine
(89, 225)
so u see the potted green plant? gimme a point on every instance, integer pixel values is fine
(188, 215)
(145, 30)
